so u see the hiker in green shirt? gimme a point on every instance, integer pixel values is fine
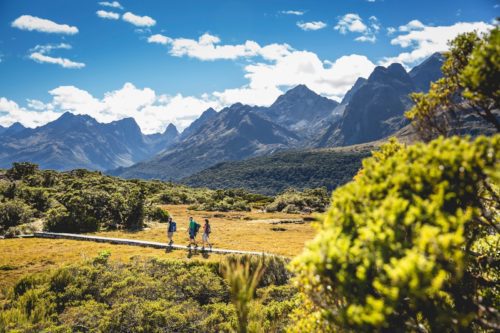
(193, 230)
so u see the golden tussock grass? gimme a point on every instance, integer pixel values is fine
(230, 230)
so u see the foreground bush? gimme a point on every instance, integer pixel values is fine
(143, 296)
(410, 245)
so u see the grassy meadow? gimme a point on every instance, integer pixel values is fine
(252, 231)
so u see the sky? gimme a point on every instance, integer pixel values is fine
(164, 62)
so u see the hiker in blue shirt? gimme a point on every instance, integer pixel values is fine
(172, 227)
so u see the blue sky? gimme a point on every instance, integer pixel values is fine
(167, 61)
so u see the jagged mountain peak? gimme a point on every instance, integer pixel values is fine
(347, 97)
(393, 71)
(171, 129)
(298, 92)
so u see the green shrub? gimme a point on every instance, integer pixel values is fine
(13, 213)
(158, 214)
(146, 295)
(293, 201)
(411, 244)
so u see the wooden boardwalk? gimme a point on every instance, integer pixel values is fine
(135, 242)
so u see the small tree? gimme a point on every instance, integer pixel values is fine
(20, 170)
(469, 84)
(412, 244)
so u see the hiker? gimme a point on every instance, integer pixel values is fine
(172, 227)
(206, 233)
(193, 230)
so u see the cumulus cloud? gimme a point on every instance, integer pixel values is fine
(40, 54)
(159, 39)
(314, 25)
(353, 23)
(108, 15)
(139, 21)
(422, 40)
(412, 25)
(207, 48)
(152, 112)
(292, 12)
(269, 80)
(11, 112)
(33, 23)
(350, 23)
(114, 4)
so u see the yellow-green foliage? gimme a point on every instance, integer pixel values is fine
(411, 244)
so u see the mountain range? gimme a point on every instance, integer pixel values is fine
(79, 141)
(299, 119)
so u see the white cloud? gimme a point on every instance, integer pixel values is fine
(159, 39)
(108, 15)
(314, 25)
(391, 30)
(33, 23)
(40, 54)
(350, 23)
(268, 81)
(206, 48)
(66, 63)
(152, 112)
(412, 25)
(49, 47)
(11, 112)
(354, 23)
(425, 40)
(293, 12)
(366, 38)
(114, 4)
(139, 21)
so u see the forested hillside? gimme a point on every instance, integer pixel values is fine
(298, 169)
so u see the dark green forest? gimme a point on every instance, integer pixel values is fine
(273, 174)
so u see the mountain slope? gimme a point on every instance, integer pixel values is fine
(198, 123)
(427, 72)
(234, 133)
(376, 109)
(77, 141)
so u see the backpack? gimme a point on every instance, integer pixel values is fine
(208, 229)
(173, 227)
(197, 227)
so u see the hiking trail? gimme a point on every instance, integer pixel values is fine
(135, 242)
